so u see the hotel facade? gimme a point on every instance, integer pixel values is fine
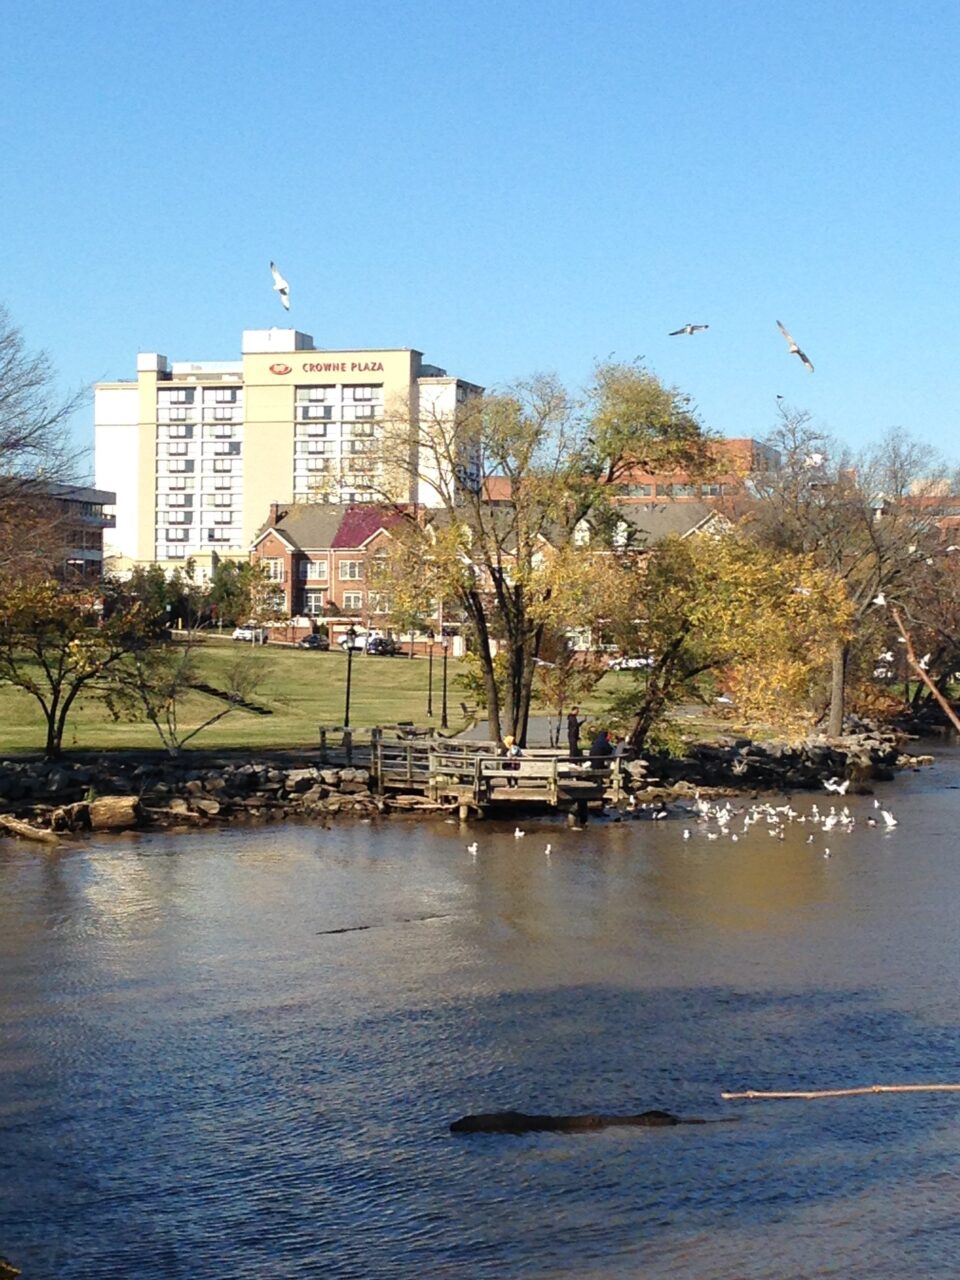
(196, 452)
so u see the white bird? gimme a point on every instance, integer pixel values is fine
(688, 328)
(924, 661)
(794, 349)
(888, 819)
(814, 460)
(281, 286)
(879, 598)
(686, 833)
(826, 853)
(548, 850)
(472, 849)
(518, 834)
(834, 784)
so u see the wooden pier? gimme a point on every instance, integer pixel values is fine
(471, 776)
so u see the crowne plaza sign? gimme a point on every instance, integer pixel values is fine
(331, 366)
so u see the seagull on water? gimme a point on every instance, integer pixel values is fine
(688, 328)
(888, 818)
(794, 349)
(472, 849)
(281, 286)
(518, 834)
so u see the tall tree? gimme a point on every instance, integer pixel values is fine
(864, 517)
(34, 450)
(556, 461)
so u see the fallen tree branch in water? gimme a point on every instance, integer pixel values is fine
(845, 1093)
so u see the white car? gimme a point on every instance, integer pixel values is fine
(252, 635)
(357, 642)
(628, 664)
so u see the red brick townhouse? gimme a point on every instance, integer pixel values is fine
(318, 556)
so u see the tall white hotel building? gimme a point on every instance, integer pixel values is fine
(197, 451)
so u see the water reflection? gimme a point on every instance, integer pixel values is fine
(199, 1077)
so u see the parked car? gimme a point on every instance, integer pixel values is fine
(314, 641)
(252, 635)
(628, 664)
(356, 642)
(383, 646)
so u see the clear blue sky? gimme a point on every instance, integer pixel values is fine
(509, 187)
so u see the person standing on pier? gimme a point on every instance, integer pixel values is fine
(601, 748)
(574, 725)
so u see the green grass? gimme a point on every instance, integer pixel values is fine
(302, 689)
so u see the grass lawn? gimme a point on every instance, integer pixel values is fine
(302, 689)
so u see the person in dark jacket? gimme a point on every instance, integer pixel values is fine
(601, 747)
(574, 725)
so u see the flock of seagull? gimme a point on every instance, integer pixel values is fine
(795, 350)
(716, 821)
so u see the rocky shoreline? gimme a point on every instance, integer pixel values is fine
(115, 793)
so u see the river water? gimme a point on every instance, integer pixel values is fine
(199, 1078)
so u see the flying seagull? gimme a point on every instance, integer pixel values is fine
(794, 349)
(688, 328)
(281, 286)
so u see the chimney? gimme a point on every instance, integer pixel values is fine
(274, 517)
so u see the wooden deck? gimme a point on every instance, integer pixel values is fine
(471, 776)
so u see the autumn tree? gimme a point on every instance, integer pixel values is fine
(58, 642)
(507, 566)
(866, 518)
(707, 609)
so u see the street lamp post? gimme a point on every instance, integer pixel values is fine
(430, 639)
(351, 636)
(445, 645)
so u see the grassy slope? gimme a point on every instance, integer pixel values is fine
(303, 689)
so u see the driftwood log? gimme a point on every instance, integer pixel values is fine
(521, 1122)
(115, 813)
(27, 831)
(7, 1270)
(759, 1095)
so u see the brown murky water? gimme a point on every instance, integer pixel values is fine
(198, 1077)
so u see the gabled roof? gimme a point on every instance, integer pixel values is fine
(320, 526)
(361, 523)
(655, 521)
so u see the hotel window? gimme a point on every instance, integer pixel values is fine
(177, 535)
(358, 446)
(312, 395)
(365, 410)
(224, 482)
(179, 395)
(176, 499)
(175, 553)
(362, 393)
(224, 447)
(222, 464)
(353, 599)
(637, 490)
(222, 499)
(317, 464)
(221, 432)
(317, 446)
(225, 395)
(313, 601)
(221, 517)
(176, 430)
(223, 413)
(177, 415)
(350, 570)
(177, 484)
(273, 569)
(178, 517)
(178, 464)
(176, 447)
(309, 412)
(362, 429)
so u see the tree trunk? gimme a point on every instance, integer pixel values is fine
(838, 679)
